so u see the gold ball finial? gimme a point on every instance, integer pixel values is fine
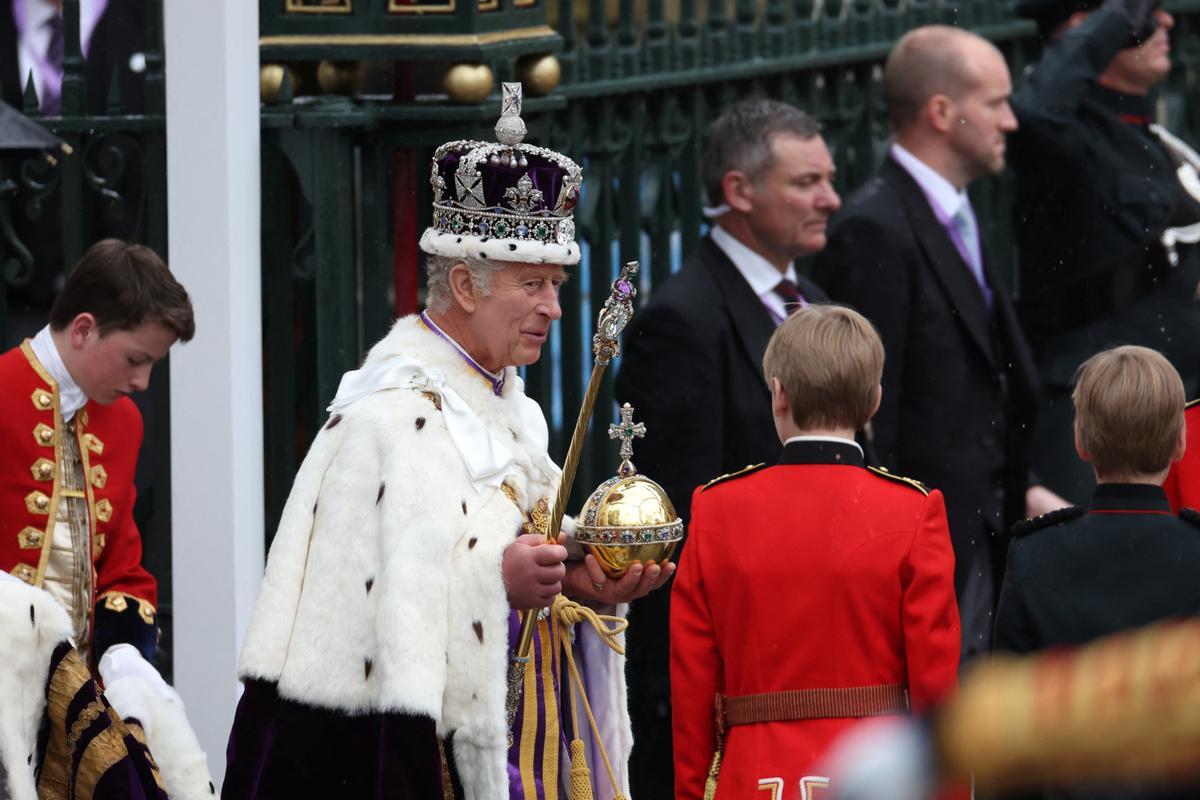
(341, 77)
(541, 73)
(468, 82)
(270, 80)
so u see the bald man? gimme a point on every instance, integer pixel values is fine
(959, 386)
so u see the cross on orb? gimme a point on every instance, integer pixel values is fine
(626, 430)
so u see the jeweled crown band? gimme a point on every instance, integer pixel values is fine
(504, 225)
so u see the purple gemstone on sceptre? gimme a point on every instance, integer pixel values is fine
(623, 288)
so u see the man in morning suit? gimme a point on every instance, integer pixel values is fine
(959, 386)
(1125, 561)
(692, 355)
(813, 586)
(1106, 214)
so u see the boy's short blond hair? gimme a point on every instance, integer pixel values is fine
(829, 361)
(1128, 410)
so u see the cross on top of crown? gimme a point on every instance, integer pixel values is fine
(626, 430)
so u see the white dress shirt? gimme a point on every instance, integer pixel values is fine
(762, 275)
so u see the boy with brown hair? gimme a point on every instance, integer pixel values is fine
(1125, 561)
(71, 436)
(812, 592)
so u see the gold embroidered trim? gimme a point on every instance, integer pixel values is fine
(92, 442)
(104, 510)
(86, 717)
(24, 572)
(98, 542)
(434, 398)
(915, 484)
(30, 538)
(83, 417)
(43, 434)
(538, 519)
(746, 470)
(42, 470)
(119, 601)
(510, 493)
(37, 502)
(99, 476)
(27, 351)
(42, 400)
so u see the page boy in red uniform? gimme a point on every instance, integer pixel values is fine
(812, 592)
(69, 441)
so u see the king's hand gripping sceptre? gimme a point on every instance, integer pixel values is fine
(614, 316)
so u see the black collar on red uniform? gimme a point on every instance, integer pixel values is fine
(821, 452)
(1134, 109)
(1129, 498)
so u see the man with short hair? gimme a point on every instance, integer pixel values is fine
(692, 354)
(960, 384)
(375, 661)
(814, 591)
(1106, 214)
(1125, 561)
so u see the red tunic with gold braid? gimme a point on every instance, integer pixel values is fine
(1183, 481)
(817, 578)
(32, 431)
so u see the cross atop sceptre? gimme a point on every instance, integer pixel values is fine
(626, 430)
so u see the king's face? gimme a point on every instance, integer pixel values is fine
(512, 321)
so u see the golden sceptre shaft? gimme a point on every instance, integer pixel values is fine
(614, 316)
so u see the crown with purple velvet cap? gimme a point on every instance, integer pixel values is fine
(504, 200)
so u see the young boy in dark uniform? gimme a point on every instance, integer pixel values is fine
(1126, 560)
(813, 591)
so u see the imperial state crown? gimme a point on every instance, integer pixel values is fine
(504, 200)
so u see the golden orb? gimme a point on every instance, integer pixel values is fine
(628, 520)
(341, 77)
(468, 83)
(539, 73)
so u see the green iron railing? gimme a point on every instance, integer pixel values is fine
(639, 83)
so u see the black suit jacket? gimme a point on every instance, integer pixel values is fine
(118, 35)
(692, 369)
(959, 383)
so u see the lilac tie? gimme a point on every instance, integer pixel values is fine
(964, 221)
(51, 102)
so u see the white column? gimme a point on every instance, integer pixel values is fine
(216, 379)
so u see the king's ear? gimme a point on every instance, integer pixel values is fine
(462, 287)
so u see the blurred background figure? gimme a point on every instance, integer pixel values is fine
(32, 47)
(1123, 709)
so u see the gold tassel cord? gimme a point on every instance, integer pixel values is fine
(609, 628)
